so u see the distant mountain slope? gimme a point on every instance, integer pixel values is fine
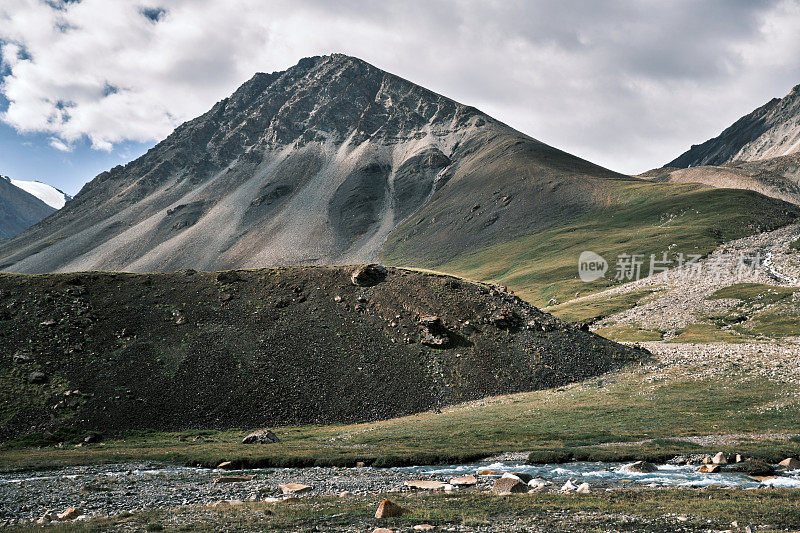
(44, 192)
(19, 209)
(335, 161)
(772, 130)
(759, 152)
(778, 177)
(317, 164)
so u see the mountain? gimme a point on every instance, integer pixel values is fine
(335, 161)
(759, 152)
(53, 197)
(772, 130)
(256, 348)
(19, 209)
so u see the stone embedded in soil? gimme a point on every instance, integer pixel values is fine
(464, 481)
(234, 479)
(70, 514)
(425, 484)
(389, 509)
(368, 275)
(294, 488)
(47, 517)
(37, 378)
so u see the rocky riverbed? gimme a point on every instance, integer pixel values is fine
(114, 489)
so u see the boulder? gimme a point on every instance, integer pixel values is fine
(709, 469)
(505, 319)
(752, 467)
(537, 484)
(525, 478)
(294, 488)
(425, 484)
(70, 514)
(569, 486)
(508, 485)
(262, 436)
(368, 275)
(424, 527)
(233, 479)
(719, 459)
(382, 530)
(47, 517)
(434, 332)
(37, 378)
(583, 488)
(790, 463)
(227, 503)
(640, 467)
(487, 472)
(464, 481)
(389, 509)
(225, 465)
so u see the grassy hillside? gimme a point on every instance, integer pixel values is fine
(635, 217)
(105, 351)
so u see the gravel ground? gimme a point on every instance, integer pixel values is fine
(682, 296)
(113, 489)
(778, 361)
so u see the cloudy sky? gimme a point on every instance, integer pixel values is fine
(87, 84)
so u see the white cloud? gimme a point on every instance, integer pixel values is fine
(59, 145)
(626, 84)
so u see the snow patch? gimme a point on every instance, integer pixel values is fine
(44, 192)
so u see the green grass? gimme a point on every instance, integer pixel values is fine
(631, 510)
(763, 310)
(597, 308)
(703, 333)
(641, 218)
(754, 293)
(623, 407)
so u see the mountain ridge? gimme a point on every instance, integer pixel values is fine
(335, 161)
(19, 209)
(771, 130)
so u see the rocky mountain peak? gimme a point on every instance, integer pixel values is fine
(331, 98)
(772, 130)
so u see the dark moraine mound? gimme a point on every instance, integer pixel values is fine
(113, 351)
